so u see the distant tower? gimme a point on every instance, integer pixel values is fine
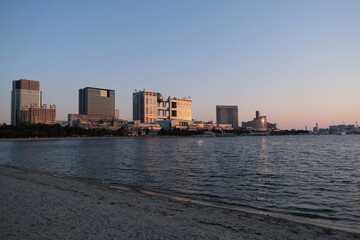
(316, 128)
(257, 115)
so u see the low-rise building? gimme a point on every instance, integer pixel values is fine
(343, 129)
(174, 124)
(95, 121)
(35, 114)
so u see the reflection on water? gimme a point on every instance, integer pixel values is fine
(317, 176)
(263, 156)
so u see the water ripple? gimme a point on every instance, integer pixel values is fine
(314, 177)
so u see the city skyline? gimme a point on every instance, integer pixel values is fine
(295, 61)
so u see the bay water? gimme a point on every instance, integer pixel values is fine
(311, 178)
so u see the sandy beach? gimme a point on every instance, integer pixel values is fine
(42, 206)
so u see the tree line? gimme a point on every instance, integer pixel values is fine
(23, 130)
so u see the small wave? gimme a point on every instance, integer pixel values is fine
(310, 215)
(313, 210)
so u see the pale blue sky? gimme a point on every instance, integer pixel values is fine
(297, 62)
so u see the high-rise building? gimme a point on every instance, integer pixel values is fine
(149, 107)
(24, 93)
(35, 114)
(227, 115)
(97, 101)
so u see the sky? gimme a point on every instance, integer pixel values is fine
(297, 62)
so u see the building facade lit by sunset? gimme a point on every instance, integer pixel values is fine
(24, 93)
(226, 114)
(96, 109)
(149, 107)
(259, 123)
(39, 114)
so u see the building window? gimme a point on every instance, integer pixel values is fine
(103, 93)
(173, 105)
(173, 113)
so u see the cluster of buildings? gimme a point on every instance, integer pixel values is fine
(151, 111)
(337, 129)
(26, 104)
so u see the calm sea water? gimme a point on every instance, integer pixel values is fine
(312, 177)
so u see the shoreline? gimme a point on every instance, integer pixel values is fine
(93, 138)
(31, 198)
(143, 137)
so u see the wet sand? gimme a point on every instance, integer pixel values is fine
(42, 206)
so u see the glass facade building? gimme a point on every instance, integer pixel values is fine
(24, 93)
(97, 101)
(227, 115)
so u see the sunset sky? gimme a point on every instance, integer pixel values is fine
(298, 62)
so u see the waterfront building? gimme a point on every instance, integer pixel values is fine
(174, 124)
(97, 101)
(344, 129)
(259, 123)
(95, 121)
(227, 115)
(149, 107)
(38, 114)
(136, 128)
(193, 125)
(24, 93)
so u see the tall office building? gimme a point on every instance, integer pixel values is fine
(24, 93)
(149, 107)
(227, 115)
(97, 101)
